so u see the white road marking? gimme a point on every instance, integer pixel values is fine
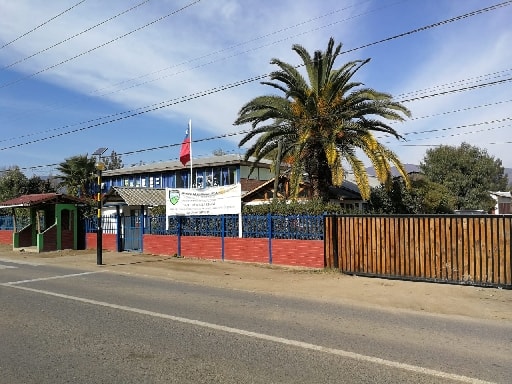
(2, 266)
(11, 283)
(262, 336)
(22, 262)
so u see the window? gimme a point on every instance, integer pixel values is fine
(216, 177)
(198, 179)
(182, 179)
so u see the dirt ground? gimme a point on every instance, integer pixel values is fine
(328, 286)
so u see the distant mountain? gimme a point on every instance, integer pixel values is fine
(408, 167)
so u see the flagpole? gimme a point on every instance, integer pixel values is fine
(190, 137)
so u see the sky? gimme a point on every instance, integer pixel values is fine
(128, 75)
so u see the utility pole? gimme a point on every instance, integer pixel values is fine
(100, 166)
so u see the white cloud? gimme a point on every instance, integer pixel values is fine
(212, 44)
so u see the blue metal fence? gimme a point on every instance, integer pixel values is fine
(303, 227)
(7, 222)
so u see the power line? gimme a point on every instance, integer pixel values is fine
(95, 92)
(152, 108)
(40, 25)
(76, 35)
(458, 127)
(460, 110)
(468, 88)
(240, 52)
(455, 83)
(438, 24)
(4, 85)
(454, 135)
(241, 132)
(197, 95)
(214, 90)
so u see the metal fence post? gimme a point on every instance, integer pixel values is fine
(269, 231)
(179, 235)
(222, 234)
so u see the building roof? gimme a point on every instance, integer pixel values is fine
(213, 161)
(27, 201)
(501, 194)
(347, 191)
(134, 196)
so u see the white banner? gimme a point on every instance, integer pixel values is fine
(208, 201)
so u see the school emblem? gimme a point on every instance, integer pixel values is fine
(174, 196)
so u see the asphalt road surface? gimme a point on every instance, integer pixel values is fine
(63, 325)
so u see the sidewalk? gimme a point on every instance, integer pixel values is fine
(327, 286)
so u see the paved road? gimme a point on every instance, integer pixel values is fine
(63, 325)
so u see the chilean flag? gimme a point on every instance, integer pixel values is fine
(185, 148)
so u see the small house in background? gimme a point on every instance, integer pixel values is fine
(53, 222)
(503, 203)
(347, 195)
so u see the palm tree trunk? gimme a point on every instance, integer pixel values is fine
(320, 175)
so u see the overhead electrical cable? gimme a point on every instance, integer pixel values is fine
(40, 25)
(467, 88)
(241, 132)
(240, 52)
(75, 35)
(4, 85)
(459, 110)
(454, 135)
(447, 21)
(459, 126)
(453, 84)
(140, 112)
(242, 82)
(438, 24)
(96, 92)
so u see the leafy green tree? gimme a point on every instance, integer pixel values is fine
(322, 121)
(113, 161)
(77, 175)
(433, 197)
(394, 199)
(423, 197)
(37, 184)
(468, 172)
(13, 183)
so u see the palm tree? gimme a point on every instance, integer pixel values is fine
(78, 175)
(323, 121)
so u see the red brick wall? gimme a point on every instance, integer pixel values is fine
(6, 237)
(243, 249)
(108, 241)
(300, 253)
(160, 244)
(303, 253)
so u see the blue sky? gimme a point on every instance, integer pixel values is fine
(62, 95)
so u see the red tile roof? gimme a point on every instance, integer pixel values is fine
(38, 199)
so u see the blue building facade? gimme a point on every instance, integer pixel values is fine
(211, 171)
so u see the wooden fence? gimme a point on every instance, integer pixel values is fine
(473, 249)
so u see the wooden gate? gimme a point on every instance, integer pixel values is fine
(473, 249)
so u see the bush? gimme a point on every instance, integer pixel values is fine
(279, 207)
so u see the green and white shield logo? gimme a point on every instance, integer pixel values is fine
(174, 196)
